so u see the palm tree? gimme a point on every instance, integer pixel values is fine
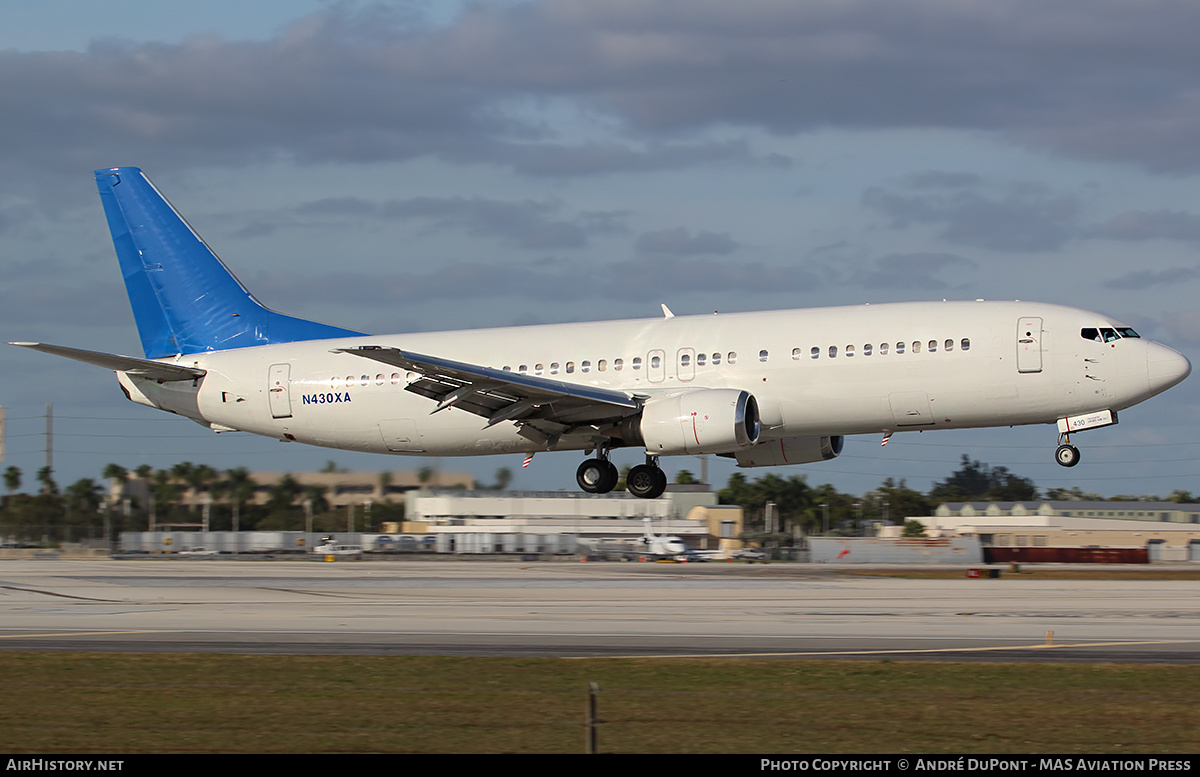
(45, 476)
(241, 488)
(12, 479)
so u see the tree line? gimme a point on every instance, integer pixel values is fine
(87, 508)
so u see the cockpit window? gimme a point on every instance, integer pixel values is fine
(1106, 334)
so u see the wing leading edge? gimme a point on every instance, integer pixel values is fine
(550, 407)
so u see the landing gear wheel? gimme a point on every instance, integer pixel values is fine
(1067, 455)
(597, 476)
(646, 481)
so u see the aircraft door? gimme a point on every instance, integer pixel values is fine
(1029, 344)
(656, 366)
(279, 390)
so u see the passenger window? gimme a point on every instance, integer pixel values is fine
(815, 352)
(379, 379)
(732, 357)
(795, 353)
(700, 360)
(685, 360)
(349, 381)
(762, 356)
(570, 367)
(411, 377)
(849, 351)
(916, 347)
(618, 364)
(966, 344)
(538, 369)
(585, 366)
(867, 349)
(396, 378)
(716, 359)
(553, 368)
(365, 379)
(655, 362)
(637, 363)
(949, 345)
(933, 346)
(832, 351)
(883, 349)
(899, 347)
(602, 365)
(524, 368)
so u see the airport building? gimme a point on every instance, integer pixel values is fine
(689, 512)
(1168, 531)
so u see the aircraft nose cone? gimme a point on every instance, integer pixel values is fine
(1166, 367)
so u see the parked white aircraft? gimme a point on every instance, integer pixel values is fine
(764, 388)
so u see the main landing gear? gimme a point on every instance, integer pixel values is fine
(646, 481)
(599, 476)
(1067, 454)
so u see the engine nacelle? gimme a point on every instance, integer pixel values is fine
(701, 421)
(790, 450)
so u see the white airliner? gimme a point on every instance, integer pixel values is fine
(767, 388)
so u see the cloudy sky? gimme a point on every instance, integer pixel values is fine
(407, 166)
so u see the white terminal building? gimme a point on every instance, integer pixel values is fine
(689, 512)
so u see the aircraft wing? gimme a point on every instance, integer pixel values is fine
(143, 368)
(548, 405)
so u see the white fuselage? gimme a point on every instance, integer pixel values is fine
(824, 371)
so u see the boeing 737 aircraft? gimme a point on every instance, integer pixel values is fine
(765, 388)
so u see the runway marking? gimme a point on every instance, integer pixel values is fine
(86, 634)
(55, 593)
(1040, 646)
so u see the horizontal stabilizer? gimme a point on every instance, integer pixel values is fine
(142, 368)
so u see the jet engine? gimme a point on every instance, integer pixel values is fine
(789, 450)
(701, 421)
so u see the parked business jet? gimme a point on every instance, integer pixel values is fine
(766, 388)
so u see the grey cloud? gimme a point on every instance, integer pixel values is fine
(361, 82)
(915, 271)
(1183, 328)
(1151, 225)
(681, 242)
(1144, 279)
(941, 179)
(526, 223)
(559, 280)
(1018, 221)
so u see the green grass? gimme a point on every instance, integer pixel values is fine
(173, 703)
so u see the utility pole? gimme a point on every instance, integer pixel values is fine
(50, 437)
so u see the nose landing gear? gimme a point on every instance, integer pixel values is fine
(1067, 454)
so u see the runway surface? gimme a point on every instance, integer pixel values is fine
(572, 609)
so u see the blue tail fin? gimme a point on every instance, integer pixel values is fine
(184, 299)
